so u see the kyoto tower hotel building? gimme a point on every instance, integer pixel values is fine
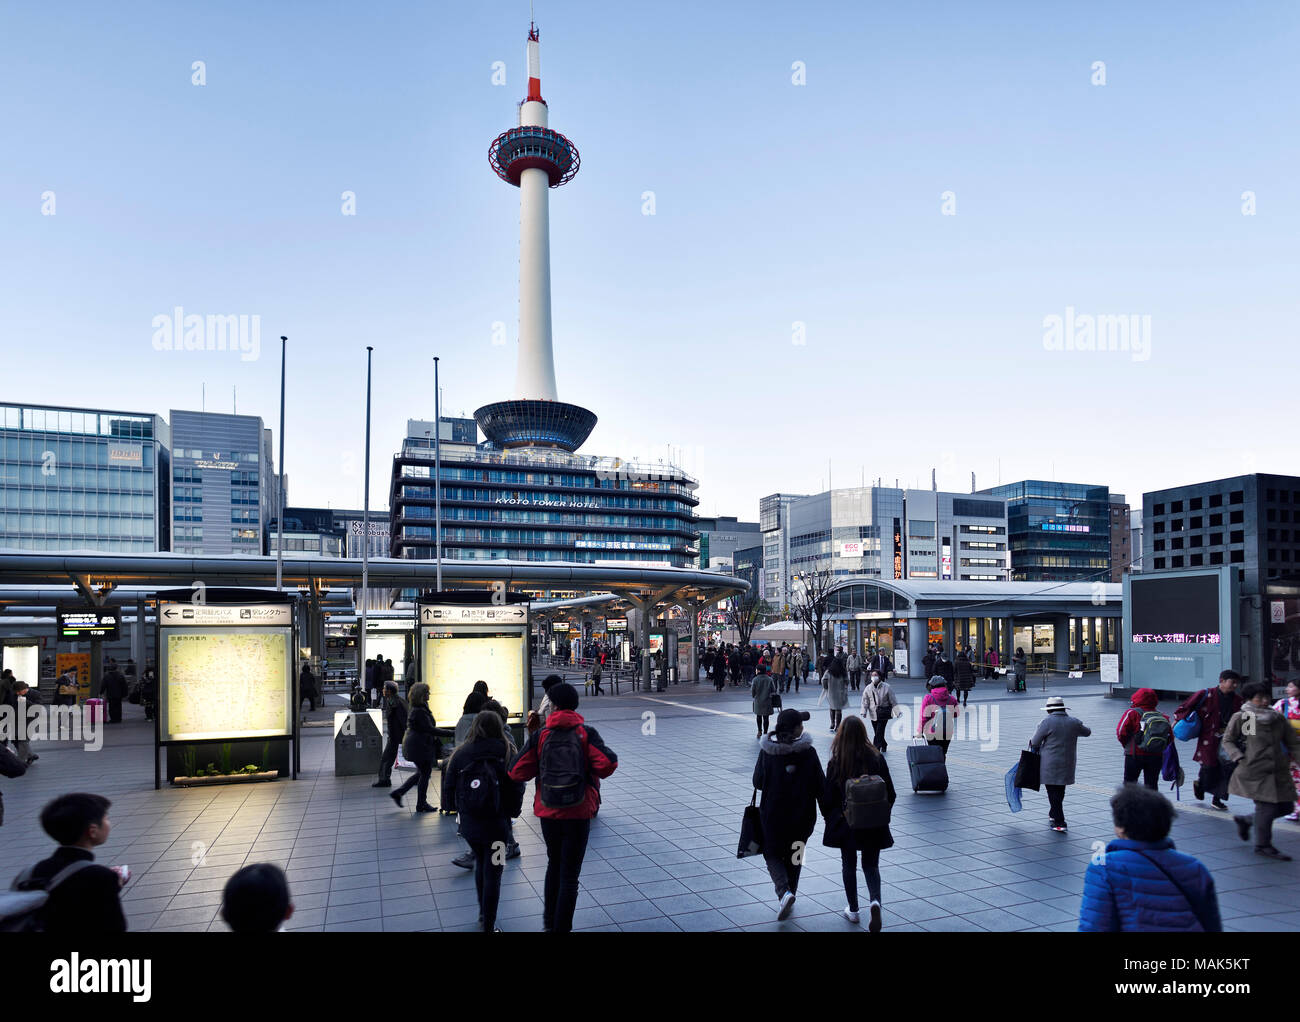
(525, 494)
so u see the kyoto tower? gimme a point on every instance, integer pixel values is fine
(534, 159)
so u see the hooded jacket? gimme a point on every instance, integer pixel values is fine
(938, 722)
(1129, 728)
(1258, 739)
(1148, 886)
(601, 762)
(480, 829)
(789, 775)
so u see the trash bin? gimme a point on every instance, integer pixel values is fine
(96, 707)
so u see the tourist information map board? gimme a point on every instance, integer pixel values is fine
(464, 643)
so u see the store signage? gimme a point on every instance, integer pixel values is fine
(590, 504)
(600, 544)
(560, 626)
(898, 549)
(616, 624)
(510, 613)
(213, 464)
(89, 622)
(853, 549)
(125, 454)
(183, 614)
(1063, 527)
(945, 561)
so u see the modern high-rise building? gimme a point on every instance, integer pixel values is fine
(223, 487)
(524, 494)
(887, 532)
(83, 479)
(773, 517)
(1121, 537)
(720, 538)
(1057, 531)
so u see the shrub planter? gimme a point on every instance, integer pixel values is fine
(195, 782)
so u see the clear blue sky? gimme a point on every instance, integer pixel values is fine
(775, 204)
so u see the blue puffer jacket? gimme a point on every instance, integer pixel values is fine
(1128, 892)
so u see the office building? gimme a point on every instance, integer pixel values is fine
(1121, 537)
(773, 517)
(223, 490)
(1057, 531)
(83, 479)
(720, 538)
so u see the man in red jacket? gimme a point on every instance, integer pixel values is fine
(1215, 707)
(568, 759)
(1137, 762)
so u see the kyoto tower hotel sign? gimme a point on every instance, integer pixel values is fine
(535, 159)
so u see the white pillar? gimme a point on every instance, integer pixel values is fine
(535, 376)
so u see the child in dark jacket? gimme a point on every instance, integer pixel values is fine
(1140, 883)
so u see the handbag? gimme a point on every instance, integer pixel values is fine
(1027, 774)
(751, 830)
(776, 700)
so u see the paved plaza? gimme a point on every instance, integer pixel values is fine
(662, 854)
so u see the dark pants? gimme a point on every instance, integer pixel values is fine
(418, 780)
(853, 679)
(878, 729)
(763, 722)
(1214, 778)
(781, 866)
(487, 879)
(796, 681)
(870, 870)
(943, 743)
(964, 695)
(1265, 814)
(115, 710)
(566, 845)
(1056, 800)
(389, 757)
(837, 716)
(1147, 766)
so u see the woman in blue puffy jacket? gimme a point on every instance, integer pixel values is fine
(1140, 883)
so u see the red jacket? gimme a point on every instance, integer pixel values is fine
(600, 759)
(1130, 725)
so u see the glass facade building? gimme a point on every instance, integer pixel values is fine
(83, 479)
(222, 484)
(1057, 531)
(541, 505)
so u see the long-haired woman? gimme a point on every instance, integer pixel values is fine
(853, 756)
(835, 680)
(422, 747)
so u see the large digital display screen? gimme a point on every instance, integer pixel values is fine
(453, 660)
(225, 683)
(1176, 610)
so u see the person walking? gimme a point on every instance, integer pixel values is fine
(1144, 733)
(929, 660)
(761, 690)
(854, 666)
(964, 677)
(881, 662)
(798, 667)
(114, 686)
(395, 717)
(149, 690)
(1289, 707)
(938, 721)
(1056, 740)
(718, 671)
(477, 787)
(307, 687)
(422, 747)
(943, 667)
(836, 683)
(880, 706)
(860, 793)
(789, 774)
(1214, 707)
(597, 666)
(779, 678)
(569, 760)
(1142, 884)
(1019, 669)
(1262, 743)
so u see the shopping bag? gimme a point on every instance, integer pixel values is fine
(1013, 793)
(751, 830)
(1027, 770)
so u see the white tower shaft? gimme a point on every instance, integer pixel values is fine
(535, 376)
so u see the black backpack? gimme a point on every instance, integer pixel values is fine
(562, 768)
(478, 788)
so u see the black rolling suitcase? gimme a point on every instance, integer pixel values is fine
(926, 764)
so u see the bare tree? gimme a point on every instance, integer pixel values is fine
(745, 611)
(810, 599)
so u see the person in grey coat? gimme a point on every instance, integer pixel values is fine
(1056, 740)
(1262, 743)
(835, 681)
(761, 688)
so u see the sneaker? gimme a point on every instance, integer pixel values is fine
(396, 798)
(786, 906)
(1059, 828)
(1198, 791)
(850, 915)
(1216, 804)
(512, 850)
(382, 784)
(33, 758)
(1272, 853)
(464, 860)
(1243, 826)
(1293, 817)
(875, 917)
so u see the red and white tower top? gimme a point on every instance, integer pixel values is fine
(534, 65)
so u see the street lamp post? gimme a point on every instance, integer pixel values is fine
(365, 537)
(279, 487)
(437, 474)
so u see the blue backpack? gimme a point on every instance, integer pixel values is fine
(1189, 727)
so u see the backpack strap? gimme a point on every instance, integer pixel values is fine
(1181, 890)
(66, 872)
(23, 878)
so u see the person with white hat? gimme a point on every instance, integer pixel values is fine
(1056, 740)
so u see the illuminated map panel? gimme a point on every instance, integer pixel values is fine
(453, 661)
(226, 683)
